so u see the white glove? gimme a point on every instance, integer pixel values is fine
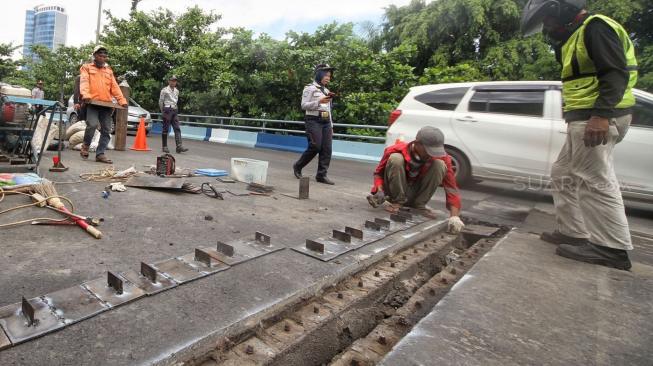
(455, 225)
(118, 187)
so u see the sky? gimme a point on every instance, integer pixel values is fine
(263, 16)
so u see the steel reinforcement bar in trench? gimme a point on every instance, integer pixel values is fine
(41, 315)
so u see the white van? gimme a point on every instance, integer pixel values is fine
(513, 131)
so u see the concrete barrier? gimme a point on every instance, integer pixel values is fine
(351, 150)
(281, 142)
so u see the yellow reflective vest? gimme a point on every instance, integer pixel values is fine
(580, 84)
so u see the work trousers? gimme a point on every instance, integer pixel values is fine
(417, 193)
(320, 138)
(586, 192)
(170, 118)
(98, 115)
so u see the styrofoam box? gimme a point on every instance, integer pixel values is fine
(249, 170)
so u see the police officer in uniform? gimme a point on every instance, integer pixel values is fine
(316, 101)
(168, 99)
(599, 71)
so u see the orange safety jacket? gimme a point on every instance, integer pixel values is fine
(98, 83)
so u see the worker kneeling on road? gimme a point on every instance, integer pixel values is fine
(409, 173)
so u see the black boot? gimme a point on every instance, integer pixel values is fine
(596, 254)
(180, 147)
(297, 171)
(324, 179)
(557, 237)
(164, 143)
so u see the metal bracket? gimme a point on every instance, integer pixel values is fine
(74, 304)
(148, 272)
(314, 246)
(355, 233)
(342, 236)
(115, 282)
(385, 224)
(372, 225)
(149, 280)
(114, 290)
(203, 257)
(28, 312)
(262, 238)
(225, 249)
(398, 218)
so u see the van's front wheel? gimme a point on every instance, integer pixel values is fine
(461, 166)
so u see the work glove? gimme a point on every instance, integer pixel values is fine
(118, 187)
(376, 199)
(455, 225)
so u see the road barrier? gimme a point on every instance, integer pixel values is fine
(274, 134)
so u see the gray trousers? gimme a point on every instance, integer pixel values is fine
(415, 194)
(98, 115)
(586, 192)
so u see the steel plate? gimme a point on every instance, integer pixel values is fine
(243, 251)
(162, 282)
(214, 266)
(4, 340)
(15, 324)
(74, 304)
(101, 289)
(178, 270)
(155, 182)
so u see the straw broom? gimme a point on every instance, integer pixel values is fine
(47, 191)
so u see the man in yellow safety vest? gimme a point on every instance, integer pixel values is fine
(599, 71)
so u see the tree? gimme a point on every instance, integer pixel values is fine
(8, 67)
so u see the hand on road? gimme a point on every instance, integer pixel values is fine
(375, 200)
(455, 225)
(596, 132)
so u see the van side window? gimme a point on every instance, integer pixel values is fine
(443, 99)
(517, 102)
(643, 114)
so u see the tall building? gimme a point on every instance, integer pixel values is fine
(45, 25)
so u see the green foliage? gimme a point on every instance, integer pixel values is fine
(8, 67)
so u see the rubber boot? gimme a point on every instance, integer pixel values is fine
(180, 147)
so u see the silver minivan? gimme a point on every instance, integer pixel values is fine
(135, 112)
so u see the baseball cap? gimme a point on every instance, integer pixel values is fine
(99, 48)
(173, 77)
(432, 139)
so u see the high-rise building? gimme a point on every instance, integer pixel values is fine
(45, 25)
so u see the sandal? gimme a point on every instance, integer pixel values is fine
(83, 152)
(103, 159)
(393, 208)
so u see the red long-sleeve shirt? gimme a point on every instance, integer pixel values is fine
(448, 183)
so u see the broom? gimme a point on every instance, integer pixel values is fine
(47, 191)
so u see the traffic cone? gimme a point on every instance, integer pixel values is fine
(140, 143)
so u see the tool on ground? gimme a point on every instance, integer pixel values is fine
(165, 165)
(56, 160)
(140, 142)
(47, 190)
(225, 180)
(210, 191)
(260, 188)
(95, 221)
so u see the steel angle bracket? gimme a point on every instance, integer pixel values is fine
(4, 340)
(149, 279)
(243, 250)
(28, 319)
(74, 304)
(178, 270)
(114, 290)
(201, 260)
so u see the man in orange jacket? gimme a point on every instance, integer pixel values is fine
(97, 83)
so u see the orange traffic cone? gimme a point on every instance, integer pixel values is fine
(140, 143)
